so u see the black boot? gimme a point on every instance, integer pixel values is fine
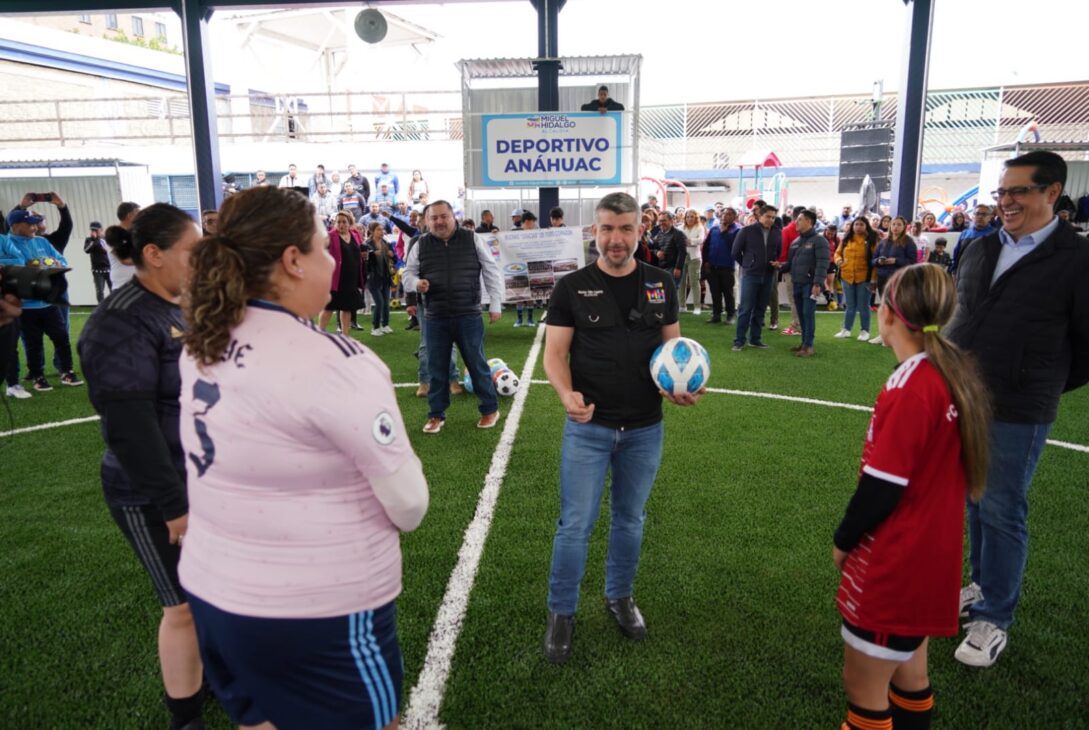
(557, 638)
(627, 617)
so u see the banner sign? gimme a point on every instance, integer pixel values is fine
(531, 262)
(551, 149)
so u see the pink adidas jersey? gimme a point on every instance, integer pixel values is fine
(280, 439)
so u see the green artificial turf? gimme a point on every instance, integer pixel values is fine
(736, 580)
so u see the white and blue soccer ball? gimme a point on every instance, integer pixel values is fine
(680, 366)
(506, 382)
(495, 365)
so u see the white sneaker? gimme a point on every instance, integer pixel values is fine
(877, 341)
(386, 329)
(982, 645)
(969, 594)
(377, 332)
(696, 311)
(842, 333)
(18, 391)
(863, 336)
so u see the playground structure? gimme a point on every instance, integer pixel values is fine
(774, 190)
(663, 185)
(936, 200)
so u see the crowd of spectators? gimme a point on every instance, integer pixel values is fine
(863, 252)
(373, 219)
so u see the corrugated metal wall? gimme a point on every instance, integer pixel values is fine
(89, 198)
(1077, 179)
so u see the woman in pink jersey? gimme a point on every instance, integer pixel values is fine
(300, 481)
(899, 546)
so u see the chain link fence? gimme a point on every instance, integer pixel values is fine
(805, 132)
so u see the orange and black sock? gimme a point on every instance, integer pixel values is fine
(911, 710)
(861, 719)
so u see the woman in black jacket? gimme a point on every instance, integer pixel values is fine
(893, 254)
(381, 262)
(130, 349)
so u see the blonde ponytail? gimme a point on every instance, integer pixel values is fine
(924, 297)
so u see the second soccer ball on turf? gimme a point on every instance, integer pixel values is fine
(680, 366)
(506, 382)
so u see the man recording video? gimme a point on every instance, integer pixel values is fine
(39, 317)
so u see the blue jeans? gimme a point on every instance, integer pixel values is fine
(424, 374)
(998, 525)
(588, 451)
(807, 311)
(858, 300)
(468, 334)
(380, 313)
(755, 292)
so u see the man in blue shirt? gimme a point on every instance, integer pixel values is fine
(385, 197)
(982, 225)
(1023, 311)
(389, 178)
(40, 318)
(718, 265)
(375, 216)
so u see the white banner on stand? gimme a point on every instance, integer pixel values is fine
(531, 262)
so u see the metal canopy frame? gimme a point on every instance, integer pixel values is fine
(195, 15)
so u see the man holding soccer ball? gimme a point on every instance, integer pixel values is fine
(604, 323)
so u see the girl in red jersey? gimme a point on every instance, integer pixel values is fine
(899, 546)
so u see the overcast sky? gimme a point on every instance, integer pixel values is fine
(709, 50)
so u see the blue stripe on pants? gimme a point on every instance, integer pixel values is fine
(375, 651)
(363, 672)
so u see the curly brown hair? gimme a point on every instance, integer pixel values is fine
(235, 265)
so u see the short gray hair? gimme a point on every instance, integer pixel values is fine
(619, 203)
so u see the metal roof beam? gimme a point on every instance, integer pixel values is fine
(45, 7)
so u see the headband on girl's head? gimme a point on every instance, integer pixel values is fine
(890, 297)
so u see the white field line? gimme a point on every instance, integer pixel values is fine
(1068, 445)
(90, 419)
(1082, 448)
(425, 699)
(47, 426)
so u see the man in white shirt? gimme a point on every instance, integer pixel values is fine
(291, 179)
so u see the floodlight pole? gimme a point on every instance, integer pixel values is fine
(195, 15)
(911, 109)
(548, 67)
